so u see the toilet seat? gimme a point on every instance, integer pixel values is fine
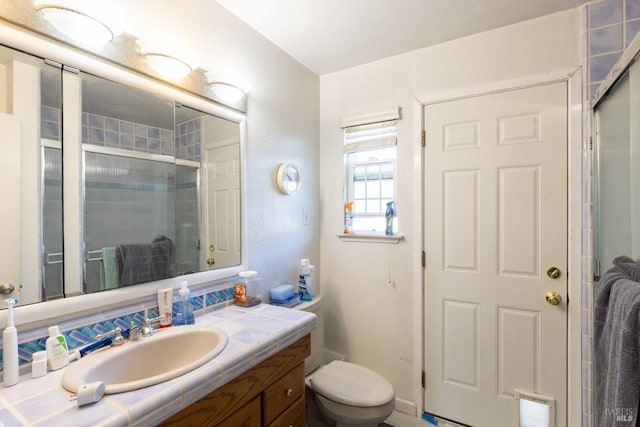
(351, 384)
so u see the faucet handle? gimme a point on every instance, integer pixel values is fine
(118, 339)
(147, 329)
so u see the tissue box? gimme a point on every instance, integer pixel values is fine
(281, 292)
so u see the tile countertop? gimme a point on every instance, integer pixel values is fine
(255, 334)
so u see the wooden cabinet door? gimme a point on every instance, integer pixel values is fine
(247, 416)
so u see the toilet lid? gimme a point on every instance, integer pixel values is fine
(351, 384)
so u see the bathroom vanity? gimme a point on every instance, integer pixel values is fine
(270, 394)
(257, 380)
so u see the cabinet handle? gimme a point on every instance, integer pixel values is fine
(289, 392)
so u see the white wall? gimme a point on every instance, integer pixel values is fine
(282, 126)
(367, 318)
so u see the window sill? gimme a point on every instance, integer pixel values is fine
(370, 238)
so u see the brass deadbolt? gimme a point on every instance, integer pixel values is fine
(554, 272)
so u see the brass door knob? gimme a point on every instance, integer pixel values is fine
(553, 272)
(7, 288)
(554, 298)
(211, 260)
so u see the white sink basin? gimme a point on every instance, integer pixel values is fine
(167, 354)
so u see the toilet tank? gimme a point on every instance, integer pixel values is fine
(317, 335)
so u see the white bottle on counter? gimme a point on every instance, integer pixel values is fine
(57, 349)
(10, 364)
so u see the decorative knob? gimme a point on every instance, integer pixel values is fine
(211, 260)
(553, 272)
(6, 288)
(289, 392)
(554, 298)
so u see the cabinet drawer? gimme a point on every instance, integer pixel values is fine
(282, 393)
(293, 416)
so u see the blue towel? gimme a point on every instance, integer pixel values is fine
(616, 322)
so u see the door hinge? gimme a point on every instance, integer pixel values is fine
(424, 138)
(424, 259)
(424, 379)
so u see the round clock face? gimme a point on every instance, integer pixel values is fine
(288, 178)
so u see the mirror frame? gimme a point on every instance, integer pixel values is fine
(41, 314)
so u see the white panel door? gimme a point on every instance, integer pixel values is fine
(223, 203)
(495, 222)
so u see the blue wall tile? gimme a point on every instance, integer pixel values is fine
(607, 39)
(605, 13)
(632, 9)
(600, 66)
(632, 28)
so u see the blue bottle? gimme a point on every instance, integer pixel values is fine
(389, 214)
(184, 310)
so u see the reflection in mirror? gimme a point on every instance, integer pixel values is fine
(218, 151)
(129, 185)
(157, 177)
(51, 184)
(142, 187)
(30, 109)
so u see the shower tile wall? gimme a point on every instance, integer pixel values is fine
(183, 142)
(189, 139)
(607, 27)
(114, 133)
(49, 123)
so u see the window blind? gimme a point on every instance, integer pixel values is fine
(370, 136)
(370, 131)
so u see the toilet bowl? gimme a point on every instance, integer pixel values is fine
(344, 393)
(352, 395)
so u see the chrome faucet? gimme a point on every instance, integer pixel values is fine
(134, 331)
(116, 333)
(147, 329)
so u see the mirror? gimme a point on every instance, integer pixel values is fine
(158, 184)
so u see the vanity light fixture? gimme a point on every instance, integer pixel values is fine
(227, 91)
(74, 23)
(169, 66)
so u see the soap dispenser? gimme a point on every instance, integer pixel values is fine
(184, 310)
(10, 366)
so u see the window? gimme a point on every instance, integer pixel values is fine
(370, 171)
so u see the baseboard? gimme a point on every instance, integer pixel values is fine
(406, 407)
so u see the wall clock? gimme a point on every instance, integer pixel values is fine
(288, 178)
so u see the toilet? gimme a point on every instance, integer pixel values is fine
(342, 393)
